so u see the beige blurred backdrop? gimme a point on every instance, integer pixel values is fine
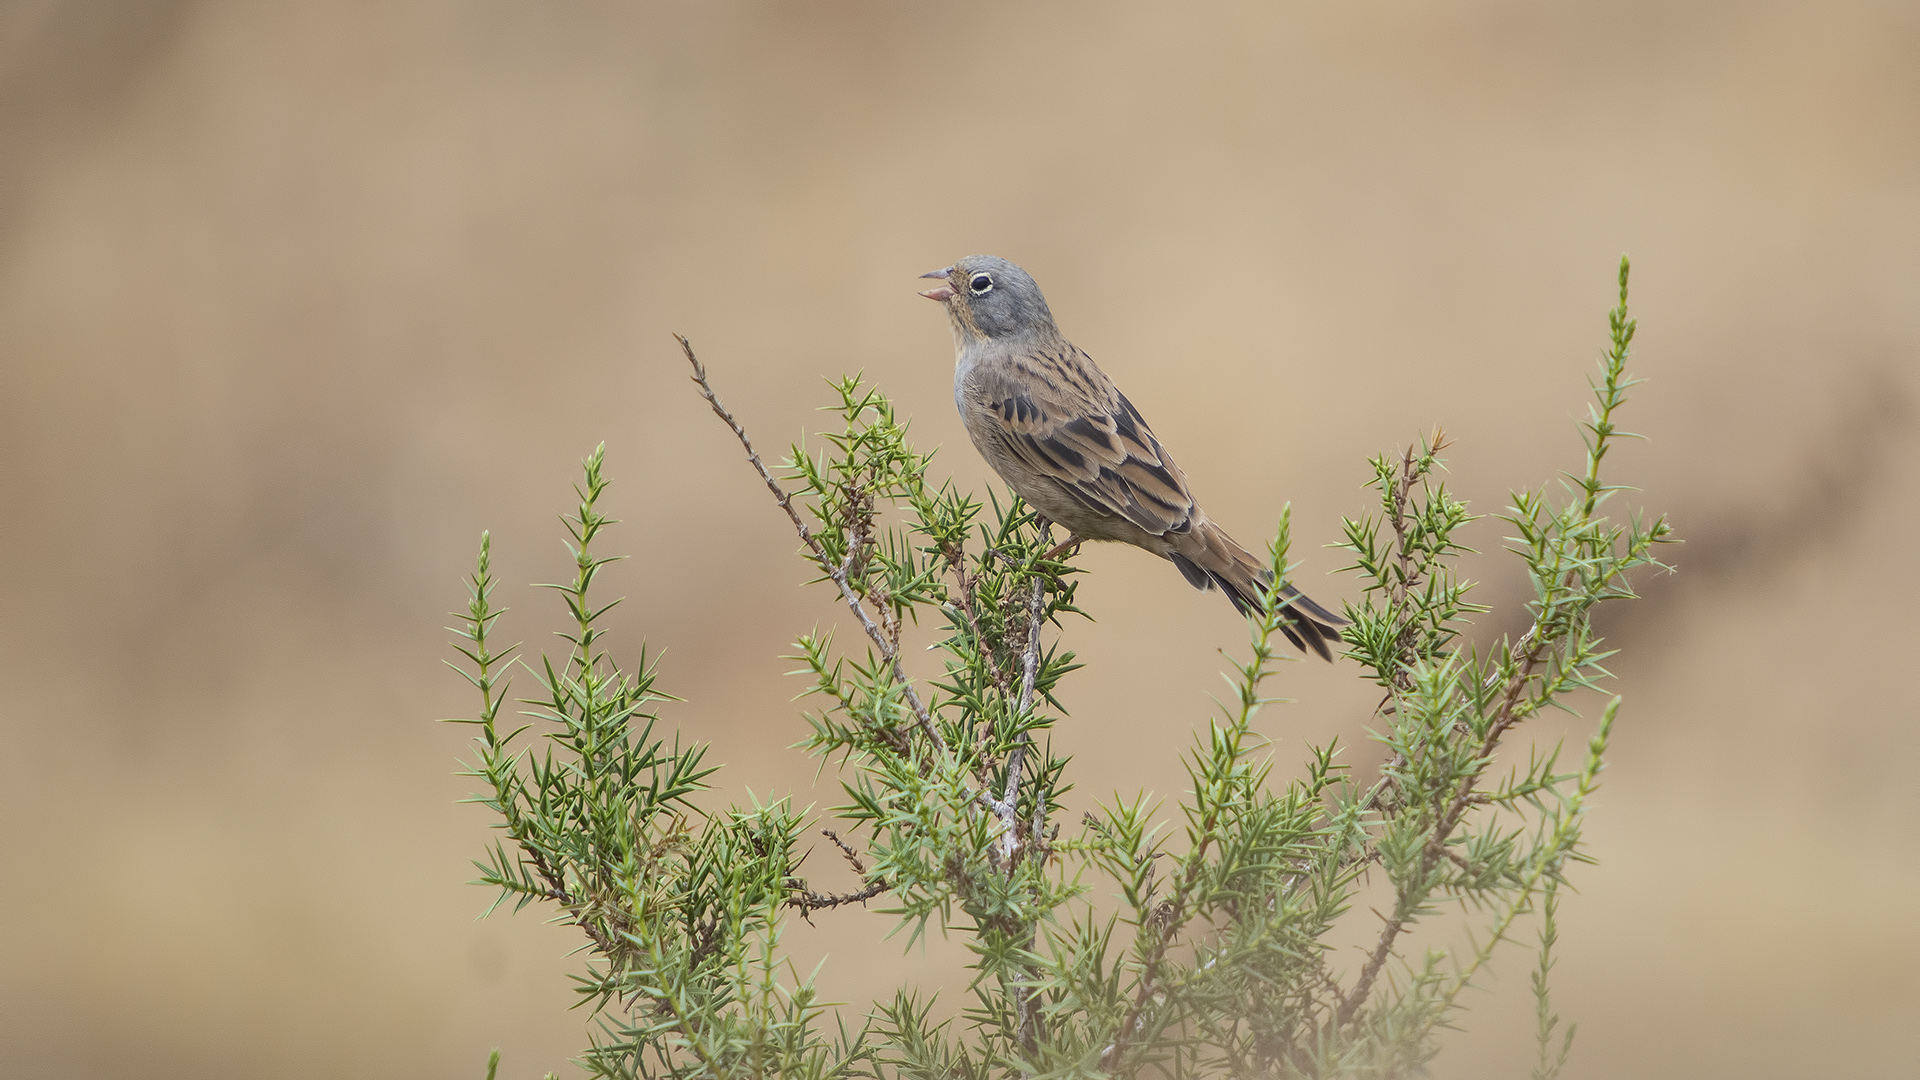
(297, 298)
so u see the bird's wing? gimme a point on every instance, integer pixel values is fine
(1064, 418)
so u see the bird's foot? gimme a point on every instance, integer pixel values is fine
(1071, 543)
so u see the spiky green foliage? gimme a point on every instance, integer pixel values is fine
(1142, 942)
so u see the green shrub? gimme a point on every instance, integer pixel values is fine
(1125, 943)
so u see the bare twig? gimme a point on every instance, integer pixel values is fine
(846, 852)
(881, 640)
(809, 901)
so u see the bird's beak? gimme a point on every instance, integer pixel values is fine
(938, 292)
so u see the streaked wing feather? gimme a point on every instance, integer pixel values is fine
(1085, 434)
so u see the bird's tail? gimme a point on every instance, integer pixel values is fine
(1209, 557)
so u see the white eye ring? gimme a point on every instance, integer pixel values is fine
(980, 284)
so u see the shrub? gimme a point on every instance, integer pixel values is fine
(1129, 942)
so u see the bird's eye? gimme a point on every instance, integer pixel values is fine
(980, 284)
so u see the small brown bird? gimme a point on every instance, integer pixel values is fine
(1069, 442)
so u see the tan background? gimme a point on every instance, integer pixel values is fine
(295, 299)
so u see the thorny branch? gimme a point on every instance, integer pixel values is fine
(1535, 644)
(968, 585)
(1523, 658)
(1171, 914)
(1411, 469)
(1006, 807)
(882, 640)
(1413, 465)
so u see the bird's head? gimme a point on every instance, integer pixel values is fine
(988, 297)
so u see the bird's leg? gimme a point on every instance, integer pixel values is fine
(1046, 530)
(1070, 543)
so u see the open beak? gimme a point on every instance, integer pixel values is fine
(942, 292)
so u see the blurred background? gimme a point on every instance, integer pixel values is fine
(296, 299)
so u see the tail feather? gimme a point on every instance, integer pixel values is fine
(1208, 557)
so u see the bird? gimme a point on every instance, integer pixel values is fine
(1064, 437)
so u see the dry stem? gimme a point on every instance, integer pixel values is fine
(883, 641)
(809, 901)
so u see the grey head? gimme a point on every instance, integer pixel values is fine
(990, 299)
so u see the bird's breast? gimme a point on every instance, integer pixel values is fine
(964, 361)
